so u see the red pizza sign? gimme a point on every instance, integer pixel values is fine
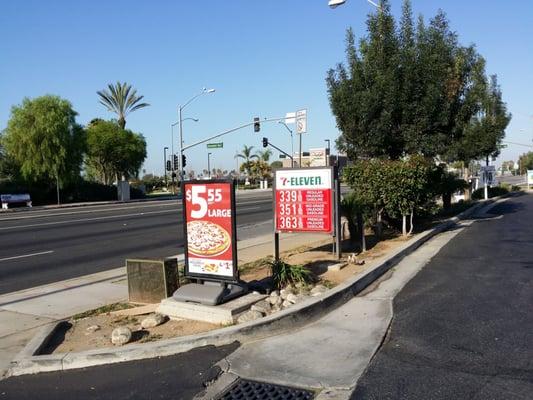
(304, 200)
(210, 230)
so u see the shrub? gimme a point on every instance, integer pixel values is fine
(284, 274)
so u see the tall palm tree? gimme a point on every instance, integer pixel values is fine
(265, 155)
(121, 99)
(247, 156)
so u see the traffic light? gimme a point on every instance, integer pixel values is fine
(169, 165)
(176, 162)
(183, 161)
(265, 142)
(257, 125)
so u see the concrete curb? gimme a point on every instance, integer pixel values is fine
(300, 314)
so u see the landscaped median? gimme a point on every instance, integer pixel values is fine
(305, 310)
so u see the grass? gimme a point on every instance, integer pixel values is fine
(253, 265)
(102, 310)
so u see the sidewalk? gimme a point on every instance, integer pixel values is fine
(332, 353)
(23, 312)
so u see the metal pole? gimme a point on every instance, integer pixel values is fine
(180, 156)
(165, 164)
(300, 154)
(338, 217)
(172, 147)
(276, 246)
(209, 165)
(327, 153)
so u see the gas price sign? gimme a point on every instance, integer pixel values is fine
(304, 200)
(210, 230)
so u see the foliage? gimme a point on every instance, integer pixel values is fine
(43, 140)
(525, 162)
(276, 164)
(406, 90)
(261, 169)
(265, 155)
(248, 158)
(284, 274)
(446, 184)
(121, 99)
(153, 182)
(492, 191)
(113, 152)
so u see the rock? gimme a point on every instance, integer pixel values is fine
(93, 328)
(256, 292)
(292, 298)
(274, 293)
(286, 304)
(273, 299)
(262, 306)
(121, 335)
(276, 308)
(249, 316)
(284, 293)
(318, 290)
(153, 320)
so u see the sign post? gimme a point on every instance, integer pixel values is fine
(301, 127)
(210, 234)
(488, 177)
(304, 201)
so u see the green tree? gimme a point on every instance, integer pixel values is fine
(248, 156)
(403, 91)
(525, 162)
(113, 152)
(276, 164)
(486, 129)
(265, 155)
(121, 99)
(43, 139)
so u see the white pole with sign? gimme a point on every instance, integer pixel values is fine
(301, 127)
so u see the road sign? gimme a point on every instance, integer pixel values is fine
(215, 145)
(210, 230)
(301, 121)
(304, 200)
(487, 174)
(529, 177)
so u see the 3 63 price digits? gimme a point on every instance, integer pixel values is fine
(195, 195)
(290, 223)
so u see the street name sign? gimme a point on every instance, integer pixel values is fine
(210, 230)
(303, 200)
(215, 145)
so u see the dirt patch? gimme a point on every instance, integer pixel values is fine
(79, 338)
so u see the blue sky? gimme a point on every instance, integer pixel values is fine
(264, 58)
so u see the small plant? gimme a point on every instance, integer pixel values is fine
(284, 274)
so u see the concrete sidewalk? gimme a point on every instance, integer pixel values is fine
(330, 354)
(23, 312)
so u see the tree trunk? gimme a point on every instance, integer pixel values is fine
(379, 225)
(404, 225)
(411, 222)
(361, 229)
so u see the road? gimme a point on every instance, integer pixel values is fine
(44, 246)
(463, 327)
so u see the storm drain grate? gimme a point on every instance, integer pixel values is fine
(244, 389)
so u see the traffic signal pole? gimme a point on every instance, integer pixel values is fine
(267, 143)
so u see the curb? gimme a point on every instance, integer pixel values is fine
(300, 314)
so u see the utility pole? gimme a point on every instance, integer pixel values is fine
(165, 163)
(327, 153)
(209, 164)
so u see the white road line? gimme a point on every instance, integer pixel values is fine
(87, 219)
(26, 255)
(14, 218)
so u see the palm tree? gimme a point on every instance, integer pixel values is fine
(121, 99)
(265, 155)
(247, 156)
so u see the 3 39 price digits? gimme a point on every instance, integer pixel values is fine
(288, 195)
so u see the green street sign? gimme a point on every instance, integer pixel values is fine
(215, 145)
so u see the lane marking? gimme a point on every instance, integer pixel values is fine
(104, 218)
(26, 255)
(178, 208)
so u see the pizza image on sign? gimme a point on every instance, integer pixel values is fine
(207, 239)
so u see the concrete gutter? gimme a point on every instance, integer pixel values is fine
(27, 362)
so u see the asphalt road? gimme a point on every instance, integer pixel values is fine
(178, 377)
(463, 327)
(44, 246)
